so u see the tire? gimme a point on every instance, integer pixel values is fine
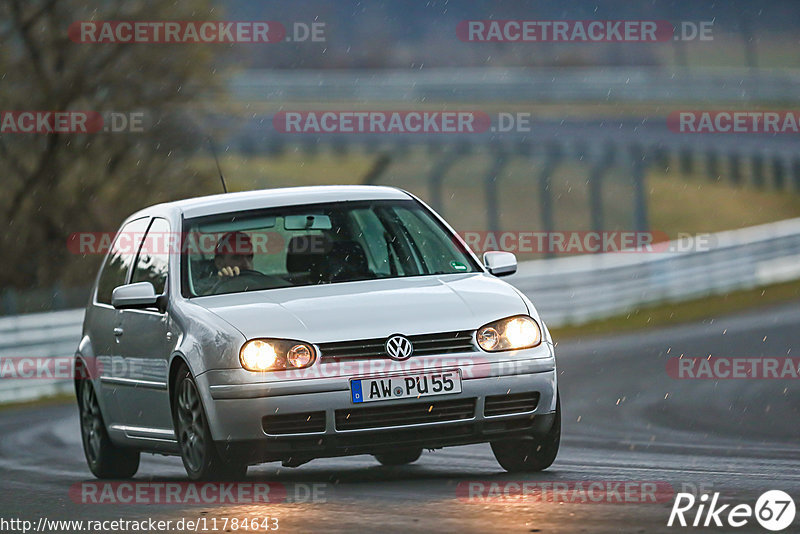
(105, 459)
(198, 451)
(526, 455)
(399, 457)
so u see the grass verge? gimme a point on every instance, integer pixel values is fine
(52, 400)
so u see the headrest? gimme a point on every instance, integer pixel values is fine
(305, 252)
(235, 243)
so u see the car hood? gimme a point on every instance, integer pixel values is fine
(369, 309)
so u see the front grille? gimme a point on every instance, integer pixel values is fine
(294, 423)
(508, 404)
(405, 414)
(424, 344)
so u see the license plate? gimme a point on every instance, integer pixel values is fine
(405, 386)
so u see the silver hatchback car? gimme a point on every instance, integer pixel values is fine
(299, 323)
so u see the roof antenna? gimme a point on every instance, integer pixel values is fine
(219, 169)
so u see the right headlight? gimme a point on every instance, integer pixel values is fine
(260, 355)
(511, 333)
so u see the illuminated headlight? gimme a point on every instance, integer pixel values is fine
(513, 333)
(275, 355)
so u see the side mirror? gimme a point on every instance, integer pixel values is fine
(138, 295)
(500, 263)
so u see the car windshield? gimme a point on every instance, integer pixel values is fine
(317, 244)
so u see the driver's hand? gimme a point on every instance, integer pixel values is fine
(228, 271)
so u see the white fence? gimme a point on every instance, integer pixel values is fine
(568, 290)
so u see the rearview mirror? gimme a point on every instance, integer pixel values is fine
(307, 222)
(500, 263)
(138, 295)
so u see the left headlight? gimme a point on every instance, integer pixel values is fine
(512, 333)
(276, 355)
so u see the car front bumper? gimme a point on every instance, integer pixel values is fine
(313, 415)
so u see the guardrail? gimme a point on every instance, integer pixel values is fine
(568, 290)
(578, 289)
(509, 84)
(36, 335)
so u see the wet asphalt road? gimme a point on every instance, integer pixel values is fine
(625, 419)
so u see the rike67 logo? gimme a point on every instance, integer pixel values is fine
(774, 510)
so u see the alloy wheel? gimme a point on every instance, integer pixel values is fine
(91, 422)
(191, 425)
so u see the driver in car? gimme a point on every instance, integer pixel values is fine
(233, 257)
(233, 254)
(233, 260)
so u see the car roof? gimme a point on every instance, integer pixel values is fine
(271, 198)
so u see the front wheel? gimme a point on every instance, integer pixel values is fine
(105, 459)
(399, 456)
(530, 455)
(198, 452)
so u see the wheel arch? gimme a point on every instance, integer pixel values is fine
(85, 366)
(177, 360)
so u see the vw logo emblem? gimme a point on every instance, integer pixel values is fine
(399, 347)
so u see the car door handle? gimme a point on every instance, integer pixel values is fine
(118, 331)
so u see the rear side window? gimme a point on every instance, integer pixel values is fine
(154, 257)
(120, 258)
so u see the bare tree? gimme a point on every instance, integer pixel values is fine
(54, 184)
